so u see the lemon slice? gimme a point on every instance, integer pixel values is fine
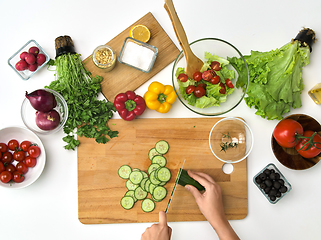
(140, 32)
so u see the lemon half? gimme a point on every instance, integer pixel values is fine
(140, 32)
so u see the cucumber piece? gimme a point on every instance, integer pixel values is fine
(147, 185)
(136, 170)
(124, 171)
(162, 147)
(140, 194)
(136, 177)
(148, 205)
(159, 193)
(185, 179)
(145, 175)
(153, 179)
(142, 183)
(131, 193)
(163, 174)
(151, 188)
(130, 185)
(161, 160)
(152, 152)
(153, 167)
(127, 202)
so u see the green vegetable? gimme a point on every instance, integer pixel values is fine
(275, 82)
(87, 115)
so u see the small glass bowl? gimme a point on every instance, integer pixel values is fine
(231, 140)
(101, 60)
(138, 55)
(28, 114)
(222, 49)
(26, 74)
(286, 183)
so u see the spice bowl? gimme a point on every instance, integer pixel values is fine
(231, 140)
(104, 57)
(138, 55)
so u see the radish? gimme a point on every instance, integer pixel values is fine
(23, 55)
(34, 51)
(30, 58)
(21, 65)
(32, 67)
(41, 58)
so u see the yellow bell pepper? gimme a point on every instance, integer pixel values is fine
(159, 97)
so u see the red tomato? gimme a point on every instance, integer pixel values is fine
(223, 88)
(24, 145)
(18, 177)
(3, 147)
(30, 161)
(197, 76)
(286, 131)
(21, 167)
(206, 75)
(19, 155)
(34, 151)
(13, 144)
(216, 66)
(7, 157)
(199, 91)
(10, 167)
(311, 149)
(5, 176)
(190, 89)
(203, 85)
(182, 77)
(229, 83)
(215, 80)
(2, 168)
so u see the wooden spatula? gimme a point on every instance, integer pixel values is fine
(193, 63)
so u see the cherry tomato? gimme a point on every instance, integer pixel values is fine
(216, 66)
(24, 145)
(223, 88)
(30, 161)
(18, 177)
(21, 167)
(3, 147)
(229, 83)
(2, 168)
(215, 80)
(190, 89)
(285, 132)
(7, 157)
(19, 155)
(197, 76)
(199, 91)
(13, 144)
(315, 148)
(203, 85)
(206, 75)
(5, 176)
(10, 167)
(34, 151)
(182, 77)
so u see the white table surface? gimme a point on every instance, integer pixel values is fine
(48, 209)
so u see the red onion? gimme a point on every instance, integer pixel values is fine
(42, 100)
(47, 120)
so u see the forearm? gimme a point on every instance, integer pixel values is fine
(224, 230)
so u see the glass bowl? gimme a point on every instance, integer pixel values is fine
(28, 114)
(22, 134)
(219, 48)
(231, 140)
(259, 179)
(26, 74)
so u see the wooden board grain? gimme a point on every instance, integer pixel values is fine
(100, 189)
(122, 77)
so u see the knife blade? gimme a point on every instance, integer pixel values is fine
(176, 181)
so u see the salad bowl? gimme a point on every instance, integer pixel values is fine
(220, 51)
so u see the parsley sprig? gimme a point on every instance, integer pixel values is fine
(227, 144)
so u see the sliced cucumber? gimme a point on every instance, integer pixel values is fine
(151, 188)
(145, 175)
(163, 174)
(130, 185)
(131, 193)
(127, 202)
(153, 167)
(161, 160)
(162, 147)
(142, 183)
(148, 205)
(136, 170)
(140, 194)
(153, 179)
(124, 171)
(136, 177)
(147, 185)
(159, 193)
(152, 152)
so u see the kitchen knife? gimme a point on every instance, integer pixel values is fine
(176, 181)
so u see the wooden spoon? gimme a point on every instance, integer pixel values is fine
(193, 63)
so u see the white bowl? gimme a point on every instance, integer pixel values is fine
(21, 134)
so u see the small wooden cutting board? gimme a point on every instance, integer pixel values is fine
(100, 188)
(123, 78)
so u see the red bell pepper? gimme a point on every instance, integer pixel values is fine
(129, 105)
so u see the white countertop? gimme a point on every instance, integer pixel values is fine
(48, 209)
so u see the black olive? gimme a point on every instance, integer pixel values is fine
(268, 182)
(278, 194)
(267, 190)
(272, 198)
(262, 176)
(258, 180)
(276, 184)
(272, 192)
(267, 171)
(281, 181)
(283, 189)
(277, 176)
(272, 171)
(262, 185)
(272, 176)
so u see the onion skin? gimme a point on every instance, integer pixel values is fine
(47, 120)
(41, 100)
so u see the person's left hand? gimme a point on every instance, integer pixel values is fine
(160, 231)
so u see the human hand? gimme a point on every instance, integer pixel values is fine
(160, 231)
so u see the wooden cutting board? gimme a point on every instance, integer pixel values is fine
(122, 77)
(100, 188)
